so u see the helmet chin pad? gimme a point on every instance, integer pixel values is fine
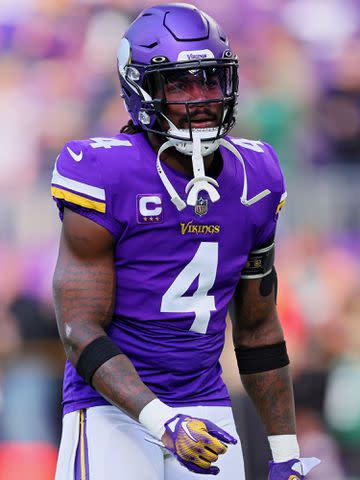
(185, 146)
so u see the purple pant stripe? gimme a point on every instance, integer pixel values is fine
(82, 445)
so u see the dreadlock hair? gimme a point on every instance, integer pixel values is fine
(130, 128)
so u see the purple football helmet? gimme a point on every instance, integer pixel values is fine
(180, 42)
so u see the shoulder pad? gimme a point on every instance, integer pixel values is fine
(78, 177)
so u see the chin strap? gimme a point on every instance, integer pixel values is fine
(176, 200)
(200, 181)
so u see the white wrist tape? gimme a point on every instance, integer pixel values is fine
(154, 415)
(284, 447)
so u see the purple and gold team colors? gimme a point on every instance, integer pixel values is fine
(294, 469)
(200, 439)
(175, 271)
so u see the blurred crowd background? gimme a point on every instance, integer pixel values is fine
(300, 91)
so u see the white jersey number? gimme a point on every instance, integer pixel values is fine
(254, 145)
(203, 265)
(103, 142)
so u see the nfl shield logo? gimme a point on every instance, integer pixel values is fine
(201, 206)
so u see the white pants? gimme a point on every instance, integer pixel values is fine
(110, 445)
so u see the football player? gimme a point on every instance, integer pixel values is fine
(162, 225)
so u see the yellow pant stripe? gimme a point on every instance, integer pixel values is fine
(82, 445)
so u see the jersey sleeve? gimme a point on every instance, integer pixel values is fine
(266, 232)
(77, 183)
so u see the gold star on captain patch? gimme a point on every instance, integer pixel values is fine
(145, 219)
(157, 219)
(151, 218)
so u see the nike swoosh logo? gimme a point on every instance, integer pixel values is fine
(154, 441)
(184, 426)
(76, 156)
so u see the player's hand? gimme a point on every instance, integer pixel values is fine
(196, 442)
(295, 469)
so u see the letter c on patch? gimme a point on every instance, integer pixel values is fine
(147, 211)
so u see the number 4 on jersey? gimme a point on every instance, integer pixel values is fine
(103, 142)
(202, 265)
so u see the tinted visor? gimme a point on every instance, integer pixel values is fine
(192, 84)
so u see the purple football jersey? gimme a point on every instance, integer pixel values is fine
(176, 270)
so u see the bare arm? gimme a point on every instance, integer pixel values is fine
(84, 288)
(256, 324)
